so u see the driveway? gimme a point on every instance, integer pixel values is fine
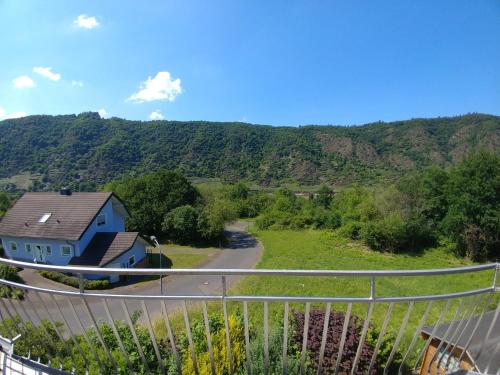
(243, 251)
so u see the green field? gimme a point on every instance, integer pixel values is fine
(179, 256)
(316, 250)
(326, 250)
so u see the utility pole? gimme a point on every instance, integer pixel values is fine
(153, 238)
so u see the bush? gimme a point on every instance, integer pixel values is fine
(10, 273)
(74, 281)
(265, 221)
(275, 353)
(352, 230)
(335, 325)
(64, 354)
(324, 219)
(219, 347)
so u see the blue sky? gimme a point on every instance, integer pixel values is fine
(269, 62)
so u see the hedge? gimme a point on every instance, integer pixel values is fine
(74, 281)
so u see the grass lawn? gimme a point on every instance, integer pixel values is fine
(179, 256)
(311, 249)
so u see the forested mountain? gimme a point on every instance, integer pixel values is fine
(85, 149)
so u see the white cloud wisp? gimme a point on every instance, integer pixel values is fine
(5, 116)
(160, 87)
(103, 113)
(86, 22)
(23, 82)
(47, 73)
(156, 115)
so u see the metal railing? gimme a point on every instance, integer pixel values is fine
(103, 333)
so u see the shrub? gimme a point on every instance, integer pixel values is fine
(74, 281)
(325, 219)
(275, 353)
(65, 354)
(335, 325)
(352, 230)
(219, 346)
(10, 273)
(265, 221)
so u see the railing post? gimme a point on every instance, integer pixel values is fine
(372, 288)
(81, 283)
(224, 286)
(495, 276)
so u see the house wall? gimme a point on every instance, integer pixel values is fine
(21, 254)
(138, 251)
(114, 223)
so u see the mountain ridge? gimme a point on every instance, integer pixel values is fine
(86, 149)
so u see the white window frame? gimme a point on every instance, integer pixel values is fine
(131, 264)
(46, 216)
(30, 248)
(48, 250)
(97, 219)
(70, 250)
(10, 245)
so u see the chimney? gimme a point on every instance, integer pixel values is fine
(65, 191)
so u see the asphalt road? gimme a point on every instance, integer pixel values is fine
(243, 251)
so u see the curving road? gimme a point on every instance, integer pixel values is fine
(243, 251)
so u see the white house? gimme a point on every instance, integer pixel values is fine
(65, 228)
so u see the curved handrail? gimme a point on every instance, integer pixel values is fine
(246, 272)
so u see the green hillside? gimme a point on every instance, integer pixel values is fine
(83, 149)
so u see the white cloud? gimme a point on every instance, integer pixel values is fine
(16, 115)
(156, 115)
(47, 73)
(103, 113)
(23, 82)
(77, 83)
(4, 115)
(161, 87)
(86, 22)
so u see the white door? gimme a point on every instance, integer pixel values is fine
(39, 254)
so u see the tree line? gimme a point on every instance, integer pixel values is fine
(458, 206)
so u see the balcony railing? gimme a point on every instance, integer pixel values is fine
(165, 316)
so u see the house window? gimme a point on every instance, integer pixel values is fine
(28, 247)
(101, 220)
(131, 260)
(13, 246)
(48, 250)
(66, 250)
(45, 217)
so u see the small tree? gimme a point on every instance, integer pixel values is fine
(324, 197)
(181, 224)
(473, 215)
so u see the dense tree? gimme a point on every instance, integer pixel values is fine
(151, 197)
(473, 215)
(4, 203)
(181, 224)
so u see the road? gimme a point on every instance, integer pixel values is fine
(242, 251)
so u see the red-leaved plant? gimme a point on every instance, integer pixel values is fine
(335, 325)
